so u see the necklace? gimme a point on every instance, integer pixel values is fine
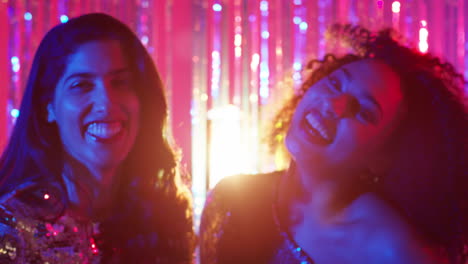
(291, 244)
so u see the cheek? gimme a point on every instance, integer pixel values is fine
(368, 141)
(67, 113)
(291, 145)
(69, 106)
(355, 138)
(134, 108)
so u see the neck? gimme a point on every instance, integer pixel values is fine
(90, 190)
(319, 197)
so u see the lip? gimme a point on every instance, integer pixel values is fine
(107, 140)
(312, 134)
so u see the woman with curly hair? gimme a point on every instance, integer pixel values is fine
(378, 170)
(88, 175)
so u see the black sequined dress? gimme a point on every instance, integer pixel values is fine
(239, 226)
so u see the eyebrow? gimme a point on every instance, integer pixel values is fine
(373, 101)
(347, 74)
(91, 75)
(367, 97)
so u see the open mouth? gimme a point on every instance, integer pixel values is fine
(317, 130)
(105, 132)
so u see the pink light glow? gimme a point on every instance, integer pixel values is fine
(423, 35)
(380, 3)
(396, 7)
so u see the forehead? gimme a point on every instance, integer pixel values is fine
(96, 56)
(371, 75)
(372, 78)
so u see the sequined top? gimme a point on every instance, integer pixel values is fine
(35, 228)
(238, 224)
(30, 233)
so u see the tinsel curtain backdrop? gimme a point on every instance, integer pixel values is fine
(227, 64)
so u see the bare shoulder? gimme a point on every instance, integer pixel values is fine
(388, 236)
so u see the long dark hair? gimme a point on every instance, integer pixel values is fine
(428, 179)
(152, 202)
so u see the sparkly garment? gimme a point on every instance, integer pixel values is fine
(29, 235)
(35, 228)
(238, 224)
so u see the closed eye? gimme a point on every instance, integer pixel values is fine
(368, 116)
(335, 83)
(82, 85)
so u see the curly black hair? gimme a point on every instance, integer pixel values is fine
(428, 188)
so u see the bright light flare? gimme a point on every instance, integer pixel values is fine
(225, 148)
(423, 37)
(255, 61)
(396, 7)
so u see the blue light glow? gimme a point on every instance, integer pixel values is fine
(303, 26)
(217, 7)
(297, 76)
(14, 113)
(297, 66)
(14, 60)
(16, 67)
(297, 20)
(64, 18)
(27, 16)
(145, 40)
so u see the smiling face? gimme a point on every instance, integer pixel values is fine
(96, 107)
(344, 119)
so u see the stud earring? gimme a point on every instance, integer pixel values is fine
(369, 177)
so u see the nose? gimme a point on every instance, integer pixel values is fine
(340, 106)
(103, 96)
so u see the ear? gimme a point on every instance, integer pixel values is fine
(50, 113)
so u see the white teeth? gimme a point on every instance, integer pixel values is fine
(104, 130)
(315, 124)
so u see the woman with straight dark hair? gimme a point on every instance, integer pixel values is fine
(378, 171)
(88, 175)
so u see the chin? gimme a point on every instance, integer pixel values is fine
(107, 162)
